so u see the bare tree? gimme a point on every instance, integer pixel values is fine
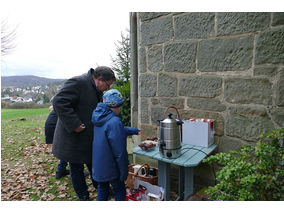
(8, 37)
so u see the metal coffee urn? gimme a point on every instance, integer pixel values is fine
(170, 136)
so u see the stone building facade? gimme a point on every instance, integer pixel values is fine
(224, 66)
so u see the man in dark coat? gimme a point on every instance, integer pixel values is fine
(73, 136)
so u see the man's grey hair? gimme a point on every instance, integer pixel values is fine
(105, 72)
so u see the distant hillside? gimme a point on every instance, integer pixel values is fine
(27, 80)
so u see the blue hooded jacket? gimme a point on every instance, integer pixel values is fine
(109, 156)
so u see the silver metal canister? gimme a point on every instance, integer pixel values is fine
(170, 137)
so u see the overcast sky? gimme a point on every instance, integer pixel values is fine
(64, 38)
(61, 39)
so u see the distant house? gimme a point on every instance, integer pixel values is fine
(17, 99)
(6, 98)
(14, 99)
(40, 102)
(28, 99)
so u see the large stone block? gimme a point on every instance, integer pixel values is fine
(172, 101)
(227, 143)
(277, 115)
(157, 31)
(248, 111)
(142, 60)
(147, 85)
(155, 58)
(248, 91)
(144, 112)
(266, 70)
(247, 122)
(155, 101)
(200, 86)
(225, 54)
(157, 114)
(270, 47)
(278, 19)
(247, 127)
(148, 131)
(237, 23)
(151, 15)
(167, 85)
(194, 25)
(206, 104)
(180, 57)
(280, 89)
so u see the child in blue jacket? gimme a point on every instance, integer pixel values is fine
(110, 157)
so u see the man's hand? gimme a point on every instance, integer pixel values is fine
(80, 128)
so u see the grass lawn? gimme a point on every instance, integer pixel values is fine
(27, 164)
(8, 114)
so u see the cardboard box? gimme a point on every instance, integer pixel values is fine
(153, 192)
(198, 132)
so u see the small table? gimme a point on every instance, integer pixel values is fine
(190, 157)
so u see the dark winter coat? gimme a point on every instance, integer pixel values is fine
(74, 105)
(110, 157)
(49, 127)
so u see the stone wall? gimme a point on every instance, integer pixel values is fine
(224, 66)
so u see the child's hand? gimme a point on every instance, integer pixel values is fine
(139, 131)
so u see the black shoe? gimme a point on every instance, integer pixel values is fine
(60, 174)
(85, 198)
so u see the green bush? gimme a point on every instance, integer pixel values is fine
(253, 173)
(125, 112)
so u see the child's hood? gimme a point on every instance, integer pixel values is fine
(102, 114)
